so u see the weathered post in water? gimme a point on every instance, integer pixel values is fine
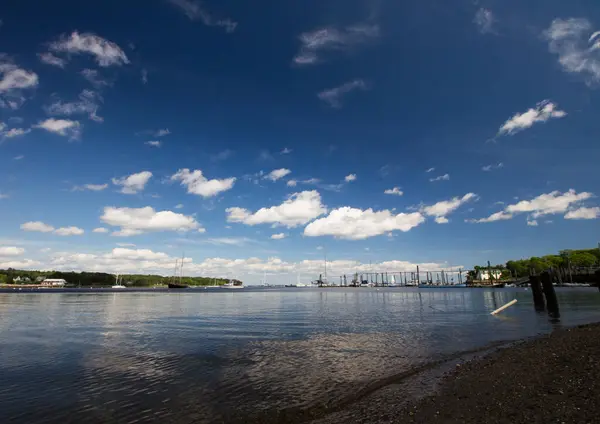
(550, 294)
(538, 294)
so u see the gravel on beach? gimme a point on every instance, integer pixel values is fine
(551, 379)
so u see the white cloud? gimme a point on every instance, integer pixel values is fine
(332, 39)
(229, 241)
(197, 183)
(577, 54)
(194, 11)
(13, 81)
(96, 187)
(543, 112)
(133, 183)
(153, 143)
(105, 52)
(484, 19)
(286, 151)
(50, 59)
(356, 224)
(162, 133)
(68, 231)
(444, 177)
(63, 127)
(292, 183)
(88, 104)
(583, 213)
(37, 226)
(11, 251)
(440, 210)
(298, 209)
(179, 206)
(277, 174)
(14, 132)
(395, 191)
(350, 178)
(430, 170)
(545, 204)
(93, 76)
(134, 221)
(498, 216)
(488, 168)
(144, 76)
(100, 230)
(279, 236)
(333, 97)
(532, 223)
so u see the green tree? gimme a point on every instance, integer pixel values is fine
(583, 259)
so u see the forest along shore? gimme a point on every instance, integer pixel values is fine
(554, 378)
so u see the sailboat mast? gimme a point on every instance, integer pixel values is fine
(325, 256)
(181, 267)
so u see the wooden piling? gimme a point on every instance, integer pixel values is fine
(538, 294)
(550, 294)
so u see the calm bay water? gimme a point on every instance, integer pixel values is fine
(246, 355)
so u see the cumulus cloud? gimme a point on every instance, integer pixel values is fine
(104, 51)
(314, 43)
(356, 224)
(93, 76)
(488, 168)
(484, 19)
(543, 112)
(292, 183)
(63, 127)
(583, 213)
(498, 216)
(578, 52)
(298, 209)
(394, 191)
(277, 174)
(551, 203)
(334, 96)
(133, 183)
(195, 11)
(153, 143)
(134, 221)
(88, 104)
(37, 226)
(278, 236)
(14, 132)
(50, 59)
(90, 187)
(444, 177)
(13, 82)
(69, 231)
(100, 230)
(11, 251)
(441, 210)
(350, 178)
(197, 183)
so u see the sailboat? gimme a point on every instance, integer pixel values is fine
(180, 285)
(117, 285)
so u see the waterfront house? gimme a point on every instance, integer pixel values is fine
(23, 280)
(486, 275)
(54, 282)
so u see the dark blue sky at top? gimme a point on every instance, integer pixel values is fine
(438, 88)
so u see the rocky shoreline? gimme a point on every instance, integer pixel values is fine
(553, 378)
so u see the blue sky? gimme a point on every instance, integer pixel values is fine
(254, 139)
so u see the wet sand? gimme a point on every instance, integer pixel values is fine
(554, 378)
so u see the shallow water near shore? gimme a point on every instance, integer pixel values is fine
(248, 355)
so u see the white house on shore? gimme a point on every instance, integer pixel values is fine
(486, 275)
(54, 282)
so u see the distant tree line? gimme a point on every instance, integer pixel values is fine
(87, 279)
(566, 260)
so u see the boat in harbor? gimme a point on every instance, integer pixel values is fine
(233, 285)
(179, 285)
(442, 286)
(117, 284)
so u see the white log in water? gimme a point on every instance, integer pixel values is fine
(501, 308)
